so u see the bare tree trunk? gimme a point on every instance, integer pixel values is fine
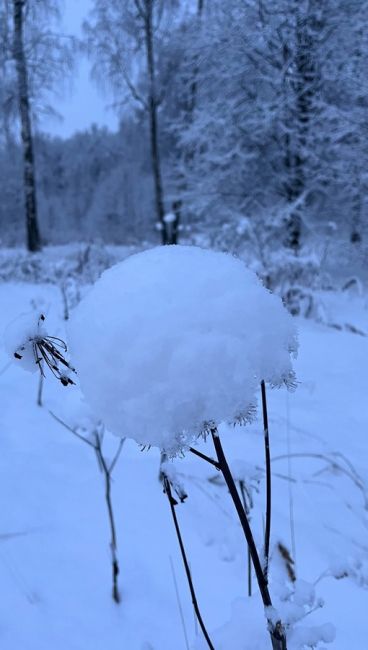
(33, 235)
(153, 122)
(177, 205)
(193, 90)
(356, 225)
(304, 88)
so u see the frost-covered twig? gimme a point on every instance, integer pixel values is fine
(107, 470)
(173, 503)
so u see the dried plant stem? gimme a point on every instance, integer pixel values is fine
(65, 301)
(40, 390)
(267, 536)
(204, 457)
(161, 473)
(106, 470)
(173, 503)
(247, 512)
(181, 613)
(277, 632)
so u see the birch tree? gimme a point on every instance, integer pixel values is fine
(34, 59)
(123, 40)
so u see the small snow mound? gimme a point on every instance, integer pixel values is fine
(175, 337)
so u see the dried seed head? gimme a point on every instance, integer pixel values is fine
(31, 344)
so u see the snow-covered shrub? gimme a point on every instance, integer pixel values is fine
(174, 338)
(295, 278)
(83, 264)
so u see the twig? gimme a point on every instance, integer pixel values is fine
(161, 473)
(65, 301)
(179, 603)
(173, 503)
(290, 487)
(113, 544)
(204, 457)
(247, 512)
(268, 481)
(116, 457)
(75, 433)
(352, 475)
(107, 472)
(5, 368)
(40, 390)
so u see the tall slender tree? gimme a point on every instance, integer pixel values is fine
(34, 58)
(30, 199)
(122, 38)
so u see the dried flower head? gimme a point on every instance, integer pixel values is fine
(29, 342)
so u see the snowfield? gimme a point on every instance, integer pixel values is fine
(55, 573)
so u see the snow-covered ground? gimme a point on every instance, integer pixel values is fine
(55, 580)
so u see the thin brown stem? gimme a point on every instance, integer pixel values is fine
(173, 503)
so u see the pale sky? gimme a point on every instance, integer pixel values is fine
(83, 104)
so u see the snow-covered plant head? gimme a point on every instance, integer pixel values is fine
(177, 337)
(27, 341)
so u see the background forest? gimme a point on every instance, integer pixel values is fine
(242, 125)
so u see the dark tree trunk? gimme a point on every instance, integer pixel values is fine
(355, 235)
(33, 235)
(193, 89)
(177, 205)
(304, 88)
(153, 121)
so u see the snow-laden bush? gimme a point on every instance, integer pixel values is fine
(176, 337)
(58, 265)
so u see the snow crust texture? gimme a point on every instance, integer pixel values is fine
(175, 337)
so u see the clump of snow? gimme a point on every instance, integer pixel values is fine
(169, 470)
(20, 336)
(169, 217)
(175, 337)
(311, 637)
(245, 631)
(74, 412)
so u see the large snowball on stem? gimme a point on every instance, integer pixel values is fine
(175, 337)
